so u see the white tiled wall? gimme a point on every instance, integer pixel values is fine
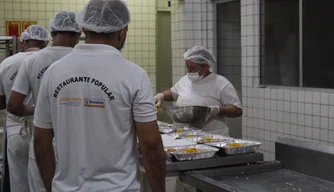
(305, 114)
(141, 42)
(191, 25)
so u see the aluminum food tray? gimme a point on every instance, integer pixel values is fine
(160, 123)
(248, 146)
(215, 138)
(167, 129)
(205, 152)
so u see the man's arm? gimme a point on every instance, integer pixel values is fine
(153, 154)
(20, 90)
(45, 156)
(16, 106)
(2, 102)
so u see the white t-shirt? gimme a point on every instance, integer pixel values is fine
(8, 71)
(32, 70)
(91, 99)
(210, 91)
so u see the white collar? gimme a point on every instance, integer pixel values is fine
(96, 48)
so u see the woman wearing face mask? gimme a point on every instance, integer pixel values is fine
(201, 87)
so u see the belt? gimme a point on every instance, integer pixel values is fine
(25, 130)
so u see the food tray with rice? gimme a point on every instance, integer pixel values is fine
(181, 132)
(237, 146)
(208, 138)
(191, 152)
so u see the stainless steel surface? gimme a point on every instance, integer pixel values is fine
(209, 138)
(217, 161)
(258, 178)
(188, 114)
(204, 180)
(246, 146)
(10, 45)
(202, 152)
(303, 166)
(306, 157)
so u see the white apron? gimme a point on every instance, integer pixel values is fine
(18, 153)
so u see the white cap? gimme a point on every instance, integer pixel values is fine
(64, 21)
(35, 32)
(200, 55)
(104, 16)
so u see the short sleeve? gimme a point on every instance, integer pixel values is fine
(42, 116)
(144, 109)
(229, 96)
(175, 90)
(21, 83)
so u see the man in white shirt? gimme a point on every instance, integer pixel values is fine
(200, 87)
(66, 34)
(94, 102)
(34, 38)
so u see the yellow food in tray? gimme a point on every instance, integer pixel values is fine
(189, 136)
(191, 150)
(180, 131)
(235, 145)
(207, 139)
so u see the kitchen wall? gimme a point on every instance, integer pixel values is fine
(192, 24)
(141, 42)
(306, 114)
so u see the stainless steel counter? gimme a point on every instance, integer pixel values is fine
(217, 161)
(311, 175)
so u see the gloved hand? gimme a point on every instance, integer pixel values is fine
(158, 99)
(213, 112)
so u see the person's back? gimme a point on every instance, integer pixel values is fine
(65, 33)
(36, 66)
(94, 102)
(91, 93)
(34, 38)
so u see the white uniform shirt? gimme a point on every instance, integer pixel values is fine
(91, 99)
(8, 71)
(210, 91)
(31, 72)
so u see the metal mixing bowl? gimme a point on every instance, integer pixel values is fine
(188, 114)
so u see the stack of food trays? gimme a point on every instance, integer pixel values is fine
(207, 144)
(236, 146)
(191, 152)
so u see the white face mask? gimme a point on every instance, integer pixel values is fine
(194, 77)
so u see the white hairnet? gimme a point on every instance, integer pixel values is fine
(200, 55)
(35, 32)
(64, 21)
(104, 16)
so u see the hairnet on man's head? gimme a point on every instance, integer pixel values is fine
(64, 21)
(104, 16)
(200, 55)
(35, 32)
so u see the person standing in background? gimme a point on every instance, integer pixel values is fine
(94, 102)
(65, 33)
(34, 38)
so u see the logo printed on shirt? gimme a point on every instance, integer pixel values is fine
(100, 103)
(70, 101)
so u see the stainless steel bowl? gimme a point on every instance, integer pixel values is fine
(188, 114)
